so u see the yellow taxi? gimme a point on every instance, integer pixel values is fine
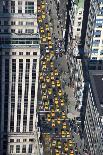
(39, 19)
(50, 46)
(47, 27)
(57, 152)
(57, 108)
(59, 144)
(43, 5)
(58, 83)
(64, 125)
(62, 102)
(71, 152)
(58, 120)
(63, 115)
(49, 38)
(68, 134)
(56, 72)
(44, 96)
(47, 79)
(52, 113)
(52, 53)
(44, 67)
(48, 117)
(46, 107)
(65, 148)
(63, 133)
(53, 123)
(43, 15)
(41, 77)
(49, 35)
(49, 42)
(41, 30)
(53, 84)
(43, 85)
(70, 143)
(52, 64)
(52, 77)
(60, 93)
(47, 58)
(54, 143)
(50, 91)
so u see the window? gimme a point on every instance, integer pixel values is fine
(17, 148)
(12, 22)
(5, 23)
(11, 140)
(20, 53)
(11, 148)
(79, 23)
(30, 148)
(31, 140)
(20, 31)
(13, 53)
(12, 30)
(19, 6)
(27, 53)
(5, 30)
(24, 140)
(34, 53)
(5, 6)
(29, 31)
(30, 23)
(18, 140)
(12, 6)
(78, 29)
(21, 23)
(29, 7)
(24, 149)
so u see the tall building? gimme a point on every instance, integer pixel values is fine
(93, 123)
(19, 69)
(93, 41)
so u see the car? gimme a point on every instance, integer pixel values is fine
(64, 125)
(52, 64)
(53, 84)
(41, 30)
(47, 27)
(47, 79)
(49, 35)
(43, 15)
(50, 46)
(50, 42)
(41, 77)
(59, 144)
(49, 91)
(63, 133)
(49, 38)
(54, 143)
(57, 108)
(39, 19)
(63, 115)
(68, 134)
(62, 103)
(48, 117)
(44, 97)
(44, 67)
(58, 121)
(65, 148)
(56, 72)
(60, 93)
(43, 85)
(53, 123)
(46, 107)
(52, 114)
(52, 77)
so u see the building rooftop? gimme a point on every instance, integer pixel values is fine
(96, 80)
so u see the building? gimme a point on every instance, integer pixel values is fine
(93, 41)
(19, 69)
(93, 123)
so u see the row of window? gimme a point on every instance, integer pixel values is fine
(19, 31)
(21, 53)
(21, 149)
(29, 7)
(17, 23)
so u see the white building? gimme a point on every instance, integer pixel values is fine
(19, 69)
(94, 40)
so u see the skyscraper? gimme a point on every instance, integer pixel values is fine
(93, 41)
(93, 124)
(19, 69)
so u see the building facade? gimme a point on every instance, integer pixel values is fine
(19, 70)
(94, 42)
(93, 124)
